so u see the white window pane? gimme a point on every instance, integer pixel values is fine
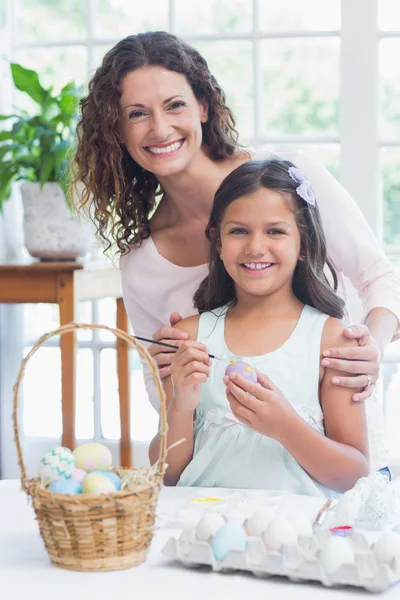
(300, 83)
(119, 18)
(327, 154)
(391, 386)
(390, 160)
(312, 15)
(144, 419)
(389, 15)
(42, 394)
(231, 64)
(41, 318)
(56, 66)
(213, 16)
(84, 420)
(42, 20)
(390, 88)
(107, 316)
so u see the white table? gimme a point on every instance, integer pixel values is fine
(26, 572)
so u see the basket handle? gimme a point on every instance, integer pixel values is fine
(120, 334)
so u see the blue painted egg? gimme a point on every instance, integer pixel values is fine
(230, 536)
(113, 477)
(66, 486)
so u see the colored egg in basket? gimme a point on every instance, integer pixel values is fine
(57, 464)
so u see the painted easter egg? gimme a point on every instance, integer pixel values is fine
(113, 477)
(231, 536)
(78, 475)
(259, 521)
(242, 368)
(93, 457)
(57, 464)
(280, 532)
(66, 486)
(98, 483)
(336, 552)
(208, 526)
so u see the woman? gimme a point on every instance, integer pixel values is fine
(155, 141)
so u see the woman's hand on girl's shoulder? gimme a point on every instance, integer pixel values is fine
(353, 352)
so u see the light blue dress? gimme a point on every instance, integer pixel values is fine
(228, 453)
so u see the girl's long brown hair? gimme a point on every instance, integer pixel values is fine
(117, 192)
(310, 285)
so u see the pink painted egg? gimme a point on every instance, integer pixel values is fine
(242, 368)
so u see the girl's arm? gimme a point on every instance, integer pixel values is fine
(352, 245)
(340, 458)
(188, 363)
(336, 460)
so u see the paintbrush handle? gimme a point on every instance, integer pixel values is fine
(143, 339)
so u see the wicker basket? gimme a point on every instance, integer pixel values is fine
(98, 533)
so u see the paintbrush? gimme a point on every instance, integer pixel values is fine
(143, 339)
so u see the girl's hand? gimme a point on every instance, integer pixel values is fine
(261, 406)
(362, 363)
(190, 368)
(170, 335)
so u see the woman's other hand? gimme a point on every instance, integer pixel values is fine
(362, 362)
(169, 335)
(190, 367)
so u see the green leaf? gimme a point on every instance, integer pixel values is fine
(47, 165)
(5, 135)
(27, 81)
(3, 151)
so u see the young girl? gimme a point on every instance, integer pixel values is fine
(266, 301)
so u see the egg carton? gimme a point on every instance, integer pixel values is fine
(298, 563)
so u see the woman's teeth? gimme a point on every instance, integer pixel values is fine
(165, 149)
(257, 266)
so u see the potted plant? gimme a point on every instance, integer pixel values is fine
(36, 151)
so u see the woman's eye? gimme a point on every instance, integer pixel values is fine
(276, 231)
(238, 231)
(135, 114)
(176, 105)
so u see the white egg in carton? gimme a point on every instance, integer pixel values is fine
(330, 559)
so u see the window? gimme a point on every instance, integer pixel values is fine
(288, 71)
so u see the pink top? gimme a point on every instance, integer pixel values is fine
(153, 287)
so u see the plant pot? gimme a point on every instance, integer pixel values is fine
(51, 231)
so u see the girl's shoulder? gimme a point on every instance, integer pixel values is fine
(190, 325)
(333, 335)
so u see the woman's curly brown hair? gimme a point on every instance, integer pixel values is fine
(117, 192)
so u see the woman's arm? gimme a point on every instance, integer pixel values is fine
(180, 417)
(353, 247)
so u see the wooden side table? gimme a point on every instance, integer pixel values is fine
(66, 284)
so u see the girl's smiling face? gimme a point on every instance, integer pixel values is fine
(260, 242)
(160, 120)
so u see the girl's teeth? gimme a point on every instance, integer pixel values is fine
(171, 148)
(257, 266)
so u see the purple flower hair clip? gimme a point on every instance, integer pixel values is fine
(304, 189)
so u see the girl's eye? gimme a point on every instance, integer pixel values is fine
(276, 231)
(238, 231)
(175, 105)
(135, 114)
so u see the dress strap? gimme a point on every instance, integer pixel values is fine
(211, 329)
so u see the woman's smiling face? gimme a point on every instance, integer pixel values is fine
(260, 242)
(160, 120)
